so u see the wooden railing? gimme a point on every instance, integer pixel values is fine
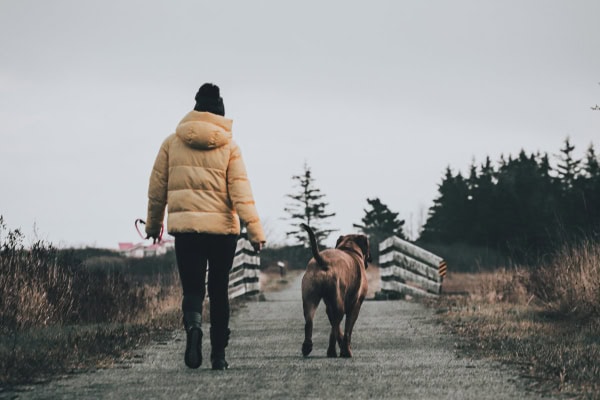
(409, 269)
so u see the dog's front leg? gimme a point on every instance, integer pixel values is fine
(335, 338)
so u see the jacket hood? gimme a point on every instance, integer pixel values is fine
(204, 130)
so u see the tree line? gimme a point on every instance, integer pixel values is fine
(523, 205)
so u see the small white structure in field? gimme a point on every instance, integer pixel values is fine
(140, 250)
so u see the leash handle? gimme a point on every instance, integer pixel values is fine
(137, 228)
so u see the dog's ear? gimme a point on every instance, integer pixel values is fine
(363, 242)
(339, 241)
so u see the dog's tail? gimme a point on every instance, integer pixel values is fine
(314, 247)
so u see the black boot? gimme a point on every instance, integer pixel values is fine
(192, 322)
(219, 339)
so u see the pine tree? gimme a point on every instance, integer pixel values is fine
(589, 185)
(380, 223)
(568, 168)
(308, 207)
(570, 198)
(450, 209)
(592, 164)
(482, 196)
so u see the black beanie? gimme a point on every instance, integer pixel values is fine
(209, 99)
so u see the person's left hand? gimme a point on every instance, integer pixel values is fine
(258, 246)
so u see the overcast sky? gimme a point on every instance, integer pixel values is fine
(377, 97)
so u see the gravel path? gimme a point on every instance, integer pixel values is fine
(399, 353)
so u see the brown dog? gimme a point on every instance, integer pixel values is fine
(338, 277)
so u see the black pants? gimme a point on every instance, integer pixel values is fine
(193, 252)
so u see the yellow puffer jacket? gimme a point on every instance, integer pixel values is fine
(200, 174)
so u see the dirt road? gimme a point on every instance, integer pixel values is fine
(399, 353)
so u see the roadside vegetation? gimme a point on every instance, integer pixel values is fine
(64, 310)
(543, 318)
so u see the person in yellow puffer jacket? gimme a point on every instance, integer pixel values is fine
(199, 174)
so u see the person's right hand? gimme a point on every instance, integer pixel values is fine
(154, 236)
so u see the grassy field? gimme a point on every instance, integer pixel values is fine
(545, 319)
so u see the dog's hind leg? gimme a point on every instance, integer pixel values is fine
(309, 314)
(351, 316)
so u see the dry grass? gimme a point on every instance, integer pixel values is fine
(58, 314)
(543, 319)
(502, 286)
(570, 283)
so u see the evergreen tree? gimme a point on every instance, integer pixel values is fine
(548, 194)
(570, 197)
(567, 168)
(308, 207)
(483, 205)
(524, 204)
(589, 185)
(471, 218)
(449, 211)
(380, 223)
(592, 164)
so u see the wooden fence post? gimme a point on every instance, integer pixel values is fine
(409, 269)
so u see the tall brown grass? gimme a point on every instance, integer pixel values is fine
(566, 282)
(34, 289)
(506, 285)
(570, 282)
(53, 299)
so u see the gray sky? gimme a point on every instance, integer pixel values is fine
(377, 97)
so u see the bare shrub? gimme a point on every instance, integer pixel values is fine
(34, 289)
(570, 282)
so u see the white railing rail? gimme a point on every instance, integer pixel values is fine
(409, 269)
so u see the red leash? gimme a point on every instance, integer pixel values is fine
(141, 221)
